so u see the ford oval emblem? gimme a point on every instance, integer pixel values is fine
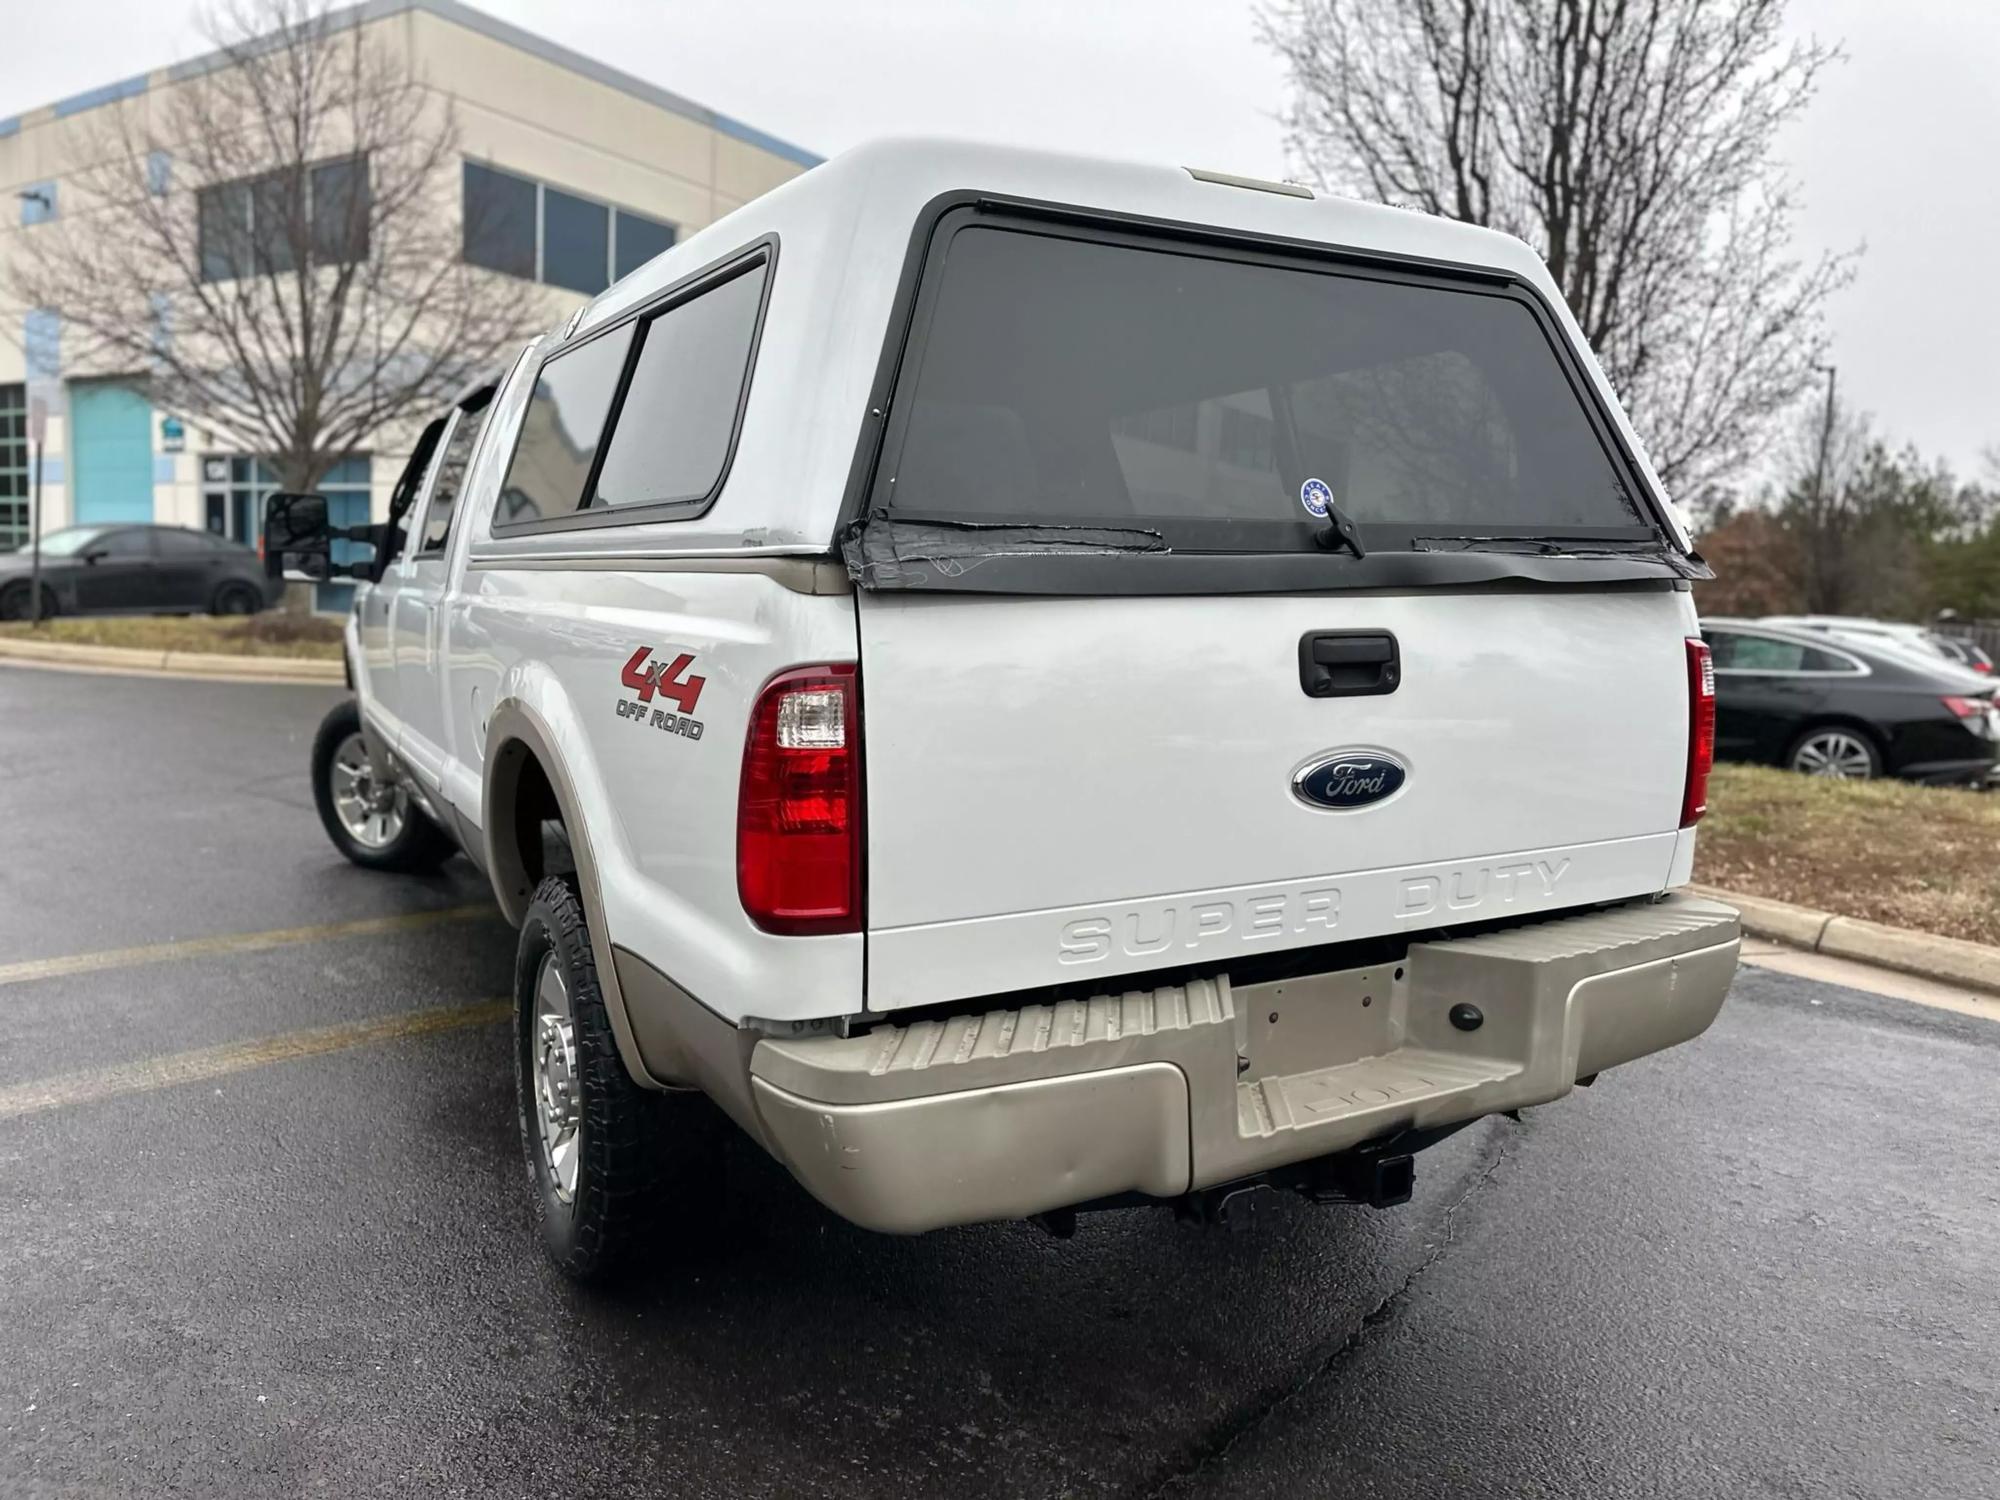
(1350, 778)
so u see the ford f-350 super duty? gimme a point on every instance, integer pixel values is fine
(1036, 683)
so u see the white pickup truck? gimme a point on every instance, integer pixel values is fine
(1036, 683)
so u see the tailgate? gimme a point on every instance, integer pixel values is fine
(1070, 789)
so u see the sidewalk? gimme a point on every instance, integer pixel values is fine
(208, 666)
(1947, 960)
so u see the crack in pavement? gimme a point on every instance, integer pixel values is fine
(1218, 1447)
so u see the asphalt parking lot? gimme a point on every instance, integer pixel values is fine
(264, 1229)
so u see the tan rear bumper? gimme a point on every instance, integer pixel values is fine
(1013, 1112)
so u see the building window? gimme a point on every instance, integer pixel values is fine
(637, 239)
(13, 466)
(38, 202)
(340, 212)
(500, 219)
(41, 345)
(259, 226)
(234, 490)
(159, 173)
(542, 233)
(576, 242)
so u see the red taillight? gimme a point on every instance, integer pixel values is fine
(1965, 708)
(798, 818)
(1701, 731)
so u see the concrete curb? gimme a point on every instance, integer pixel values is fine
(1949, 960)
(284, 669)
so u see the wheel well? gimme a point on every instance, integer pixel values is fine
(526, 836)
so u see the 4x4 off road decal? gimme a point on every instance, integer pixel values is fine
(670, 681)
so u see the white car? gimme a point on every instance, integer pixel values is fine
(1905, 638)
(1062, 684)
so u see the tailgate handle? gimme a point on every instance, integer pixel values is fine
(1348, 663)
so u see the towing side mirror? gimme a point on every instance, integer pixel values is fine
(301, 546)
(298, 544)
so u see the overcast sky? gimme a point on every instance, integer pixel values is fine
(1897, 151)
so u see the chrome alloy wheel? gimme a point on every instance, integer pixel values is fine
(1836, 753)
(558, 1090)
(373, 812)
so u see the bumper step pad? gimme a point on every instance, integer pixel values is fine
(1387, 1085)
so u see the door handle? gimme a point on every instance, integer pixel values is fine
(1349, 663)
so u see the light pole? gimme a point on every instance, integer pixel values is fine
(1825, 437)
(38, 421)
(1821, 529)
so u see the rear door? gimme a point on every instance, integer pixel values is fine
(420, 591)
(1129, 702)
(192, 564)
(375, 608)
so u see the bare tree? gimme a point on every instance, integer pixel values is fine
(1632, 143)
(271, 247)
(1869, 525)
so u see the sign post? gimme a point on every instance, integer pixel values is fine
(42, 344)
(38, 426)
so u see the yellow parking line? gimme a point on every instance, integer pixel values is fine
(93, 1084)
(233, 942)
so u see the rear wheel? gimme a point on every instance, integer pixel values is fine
(1838, 751)
(236, 598)
(371, 821)
(604, 1155)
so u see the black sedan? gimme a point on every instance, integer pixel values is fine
(137, 570)
(1832, 707)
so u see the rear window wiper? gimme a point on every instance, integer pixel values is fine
(1338, 532)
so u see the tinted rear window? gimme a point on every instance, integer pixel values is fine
(679, 414)
(642, 417)
(559, 434)
(451, 461)
(1068, 381)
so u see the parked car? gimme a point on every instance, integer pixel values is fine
(1062, 684)
(1966, 653)
(137, 570)
(1906, 637)
(1829, 705)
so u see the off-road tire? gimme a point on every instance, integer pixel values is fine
(621, 1176)
(420, 846)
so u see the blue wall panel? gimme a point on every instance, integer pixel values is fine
(111, 454)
